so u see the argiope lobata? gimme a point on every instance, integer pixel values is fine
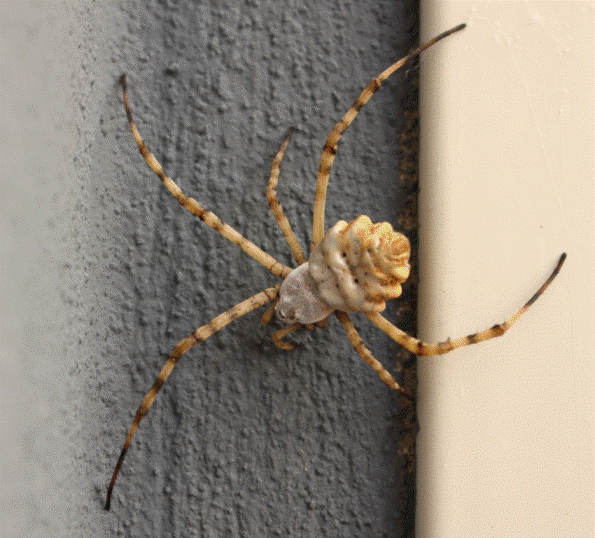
(355, 266)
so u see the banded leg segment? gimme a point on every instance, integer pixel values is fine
(269, 312)
(330, 147)
(194, 207)
(421, 348)
(198, 336)
(275, 205)
(366, 354)
(277, 336)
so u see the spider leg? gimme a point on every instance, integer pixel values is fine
(421, 348)
(269, 312)
(321, 324)
(330, 147)
(275, 205)
(198, 336)
(194, 207)
(277, 337)
(366, 354)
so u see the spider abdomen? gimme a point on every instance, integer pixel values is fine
(359, 265)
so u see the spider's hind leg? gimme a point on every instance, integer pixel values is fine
(421, 348)
(330, 146)
(367, 355)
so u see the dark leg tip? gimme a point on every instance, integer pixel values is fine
(289, 134)
(407, 396)
(559, 264)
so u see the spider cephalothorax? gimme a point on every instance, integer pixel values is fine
(355, 266)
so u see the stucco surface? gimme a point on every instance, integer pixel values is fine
(245, 439)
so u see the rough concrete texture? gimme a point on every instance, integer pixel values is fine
(245, 439)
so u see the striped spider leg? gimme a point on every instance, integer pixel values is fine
(220, 321)
(300, 300)
(409, 342)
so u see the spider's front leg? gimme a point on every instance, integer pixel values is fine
(198, 336)
(194, 207)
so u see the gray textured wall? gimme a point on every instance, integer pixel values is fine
(245, 439)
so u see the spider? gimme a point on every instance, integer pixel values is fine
(353, 267)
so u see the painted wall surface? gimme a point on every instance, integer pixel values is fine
(506, 174)
(103, 272)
